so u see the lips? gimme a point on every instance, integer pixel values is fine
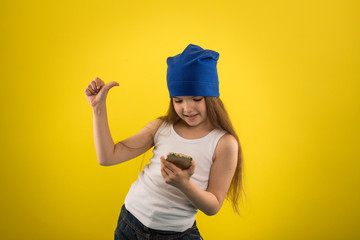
(191, 116)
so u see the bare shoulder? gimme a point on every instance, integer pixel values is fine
(153, 126)
(227, 147)
(146, 134)
(139, 143)
(156, 122)
(228, 142)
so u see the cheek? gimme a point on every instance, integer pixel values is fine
(205, 114)
(202, 109)
(178, 110)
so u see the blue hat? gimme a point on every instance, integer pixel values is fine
(193, 73)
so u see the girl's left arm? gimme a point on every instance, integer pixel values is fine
(221, 174)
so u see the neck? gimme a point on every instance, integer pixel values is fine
(193, 132)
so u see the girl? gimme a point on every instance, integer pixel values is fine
(163, 201)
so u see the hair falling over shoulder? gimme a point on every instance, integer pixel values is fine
(219, 117)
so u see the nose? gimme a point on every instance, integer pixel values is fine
(188, 106)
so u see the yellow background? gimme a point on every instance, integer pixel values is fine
(289, 77)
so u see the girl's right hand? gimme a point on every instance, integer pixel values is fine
(97, 91)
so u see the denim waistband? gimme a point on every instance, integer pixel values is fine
(145, 232)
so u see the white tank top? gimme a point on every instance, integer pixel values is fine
(159, 205)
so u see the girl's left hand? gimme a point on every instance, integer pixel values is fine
(176, 176)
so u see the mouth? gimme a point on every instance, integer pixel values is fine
(190, 117)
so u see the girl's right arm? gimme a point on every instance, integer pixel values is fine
(107, 152)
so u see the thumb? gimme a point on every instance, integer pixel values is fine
(192, 166)
(110, 85)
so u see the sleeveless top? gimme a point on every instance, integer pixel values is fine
(159, 205)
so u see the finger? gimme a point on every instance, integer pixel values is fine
(162, 160)
(110, 85)
(87, 92)
(164, 168)
(91, 90)
(99, 82)
(164, 174)
(168, 172)
(192, 167)
(193, 164)
(93, 85)
(171, 166)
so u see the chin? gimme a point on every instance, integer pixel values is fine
(193, 124)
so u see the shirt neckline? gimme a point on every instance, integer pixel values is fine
(176, 135)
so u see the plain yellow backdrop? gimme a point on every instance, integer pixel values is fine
(289, 77)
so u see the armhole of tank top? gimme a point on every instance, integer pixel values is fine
(162, 126)
(218, 136)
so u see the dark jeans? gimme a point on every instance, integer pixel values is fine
(128, 227)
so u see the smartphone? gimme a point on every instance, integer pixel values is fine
(180, 160)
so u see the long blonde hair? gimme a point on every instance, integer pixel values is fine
(219, 118)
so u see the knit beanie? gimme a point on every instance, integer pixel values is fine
(193, 73)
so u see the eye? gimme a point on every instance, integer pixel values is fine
(197, 99)
(177, 101)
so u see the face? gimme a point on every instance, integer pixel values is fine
(191, 109)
